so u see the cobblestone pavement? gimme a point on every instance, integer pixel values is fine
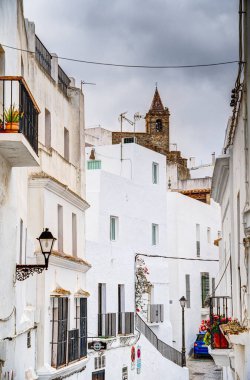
(203, 369)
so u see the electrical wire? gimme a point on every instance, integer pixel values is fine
(174, 257)
(131, 66)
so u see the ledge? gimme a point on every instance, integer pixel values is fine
(220, 177)
(221, 357)
(49, 373)
(65, 261)
(241, 338)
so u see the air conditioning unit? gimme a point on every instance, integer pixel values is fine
(155, 313)
(129, 140)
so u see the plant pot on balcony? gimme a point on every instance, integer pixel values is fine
(12, 127)
(219, 341)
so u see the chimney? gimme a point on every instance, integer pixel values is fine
(213, 158)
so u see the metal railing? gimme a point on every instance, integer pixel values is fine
(43, 56)
(63, 80)
(107, 325)
(155, 313)
(167, 351)
(18, 109)
(126, 323)
(218, 306)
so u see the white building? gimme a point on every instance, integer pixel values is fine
(192, 227)
(230, 188)
(43, 331)
(127, 219)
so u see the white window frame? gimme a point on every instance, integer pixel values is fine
(155, 173)
(113, 234)
(155, 234)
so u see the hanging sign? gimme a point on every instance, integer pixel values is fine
(97, 345)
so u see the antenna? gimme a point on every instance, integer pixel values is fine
(83, 82)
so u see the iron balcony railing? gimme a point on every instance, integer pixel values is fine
(63, 80)
(167, 351)
(155, 313)
(43, 56)
(218, 306)
(107, 325)
(18, 109)
(126, 324)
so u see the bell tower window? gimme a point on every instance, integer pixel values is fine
(158, 125)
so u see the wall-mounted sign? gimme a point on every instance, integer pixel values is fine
(138, 361)
(125, 373)
(97, 345)
(133, 357)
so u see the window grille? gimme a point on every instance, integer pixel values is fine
(125, 323)
(59, 331)
(187, 278)
(205, 288)
(155, 313)
(81, 324)
(94, 164)
(155, 173)
(73, 345)
(198, 244)
(107, 324)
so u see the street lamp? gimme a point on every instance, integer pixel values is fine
(46, 240)
(183, 350)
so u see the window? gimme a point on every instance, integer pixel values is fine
(81, 325)
(94, 164)
(59, 331)
(204, 288)
(28, 339)
(158, 125)
(101, 298)
(60, 228)
(187, 278)
(2, 62)
(209, 235)
(74, 235)
(21, 242)
(47, 129)
(113, 228)
(155, 173)
(66, 144)
(129, 140)
(155, 234)
(198, 244)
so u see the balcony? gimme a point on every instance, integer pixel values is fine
(125, 323)
(43, 56)
(218, 315)
(155, 313)
(107, 325)
(18, 123)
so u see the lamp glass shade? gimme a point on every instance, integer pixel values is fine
(183, 301)
(46, 240)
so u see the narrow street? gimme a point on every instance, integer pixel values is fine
(204, 369)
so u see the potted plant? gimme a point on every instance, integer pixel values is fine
(12, 116)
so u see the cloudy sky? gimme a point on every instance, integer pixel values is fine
(148, 32)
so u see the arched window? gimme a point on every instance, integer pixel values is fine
(158, 125)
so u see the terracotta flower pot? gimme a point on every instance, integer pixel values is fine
(13, 127)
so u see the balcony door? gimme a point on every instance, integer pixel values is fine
(100, 375)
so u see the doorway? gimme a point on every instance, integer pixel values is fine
(100, 375)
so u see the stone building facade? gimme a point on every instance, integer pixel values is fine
(156, 136)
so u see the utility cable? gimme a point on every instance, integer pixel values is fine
(174, 257)
(132, 66)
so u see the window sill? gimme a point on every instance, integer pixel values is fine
(49, 373)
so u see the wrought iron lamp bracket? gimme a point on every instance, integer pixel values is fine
(24, 271)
